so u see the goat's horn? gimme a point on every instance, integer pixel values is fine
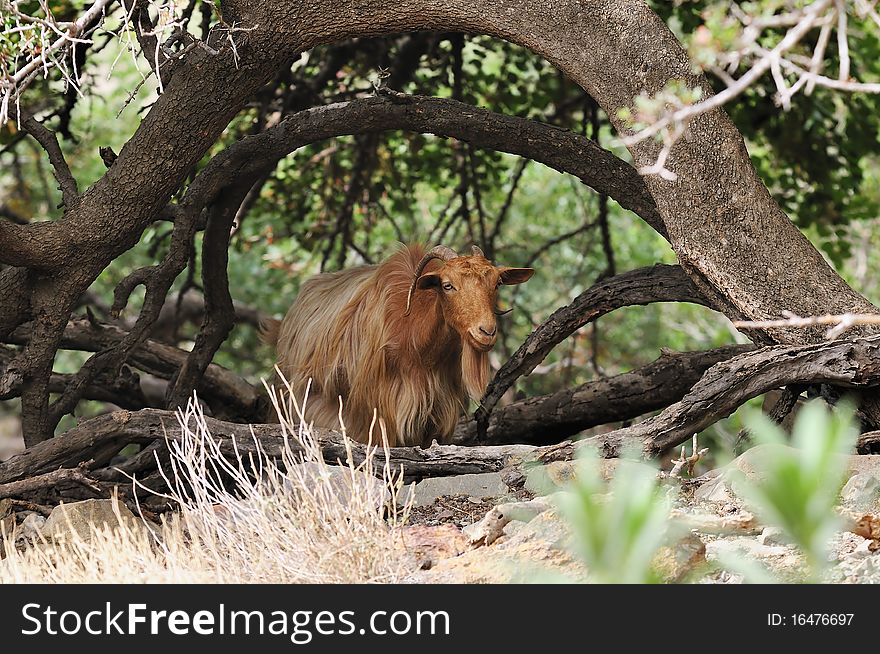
(477, 251)
(438, 252)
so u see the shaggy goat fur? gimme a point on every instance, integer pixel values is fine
(347, 331)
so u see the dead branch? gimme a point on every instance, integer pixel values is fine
(868, 443)
(100, 439)
(46, 138)
(49, 479)
(839, 323)
(226, 393)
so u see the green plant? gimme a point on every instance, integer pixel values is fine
(618, 527)
(796, 488)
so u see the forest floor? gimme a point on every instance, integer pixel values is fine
(499, 527)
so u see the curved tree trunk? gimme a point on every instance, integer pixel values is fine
(729, 234)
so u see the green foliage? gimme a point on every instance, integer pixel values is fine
(813, 156)
(618, 527)
(796, 488)
(649, 108)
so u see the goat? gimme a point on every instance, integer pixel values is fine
(406, 340)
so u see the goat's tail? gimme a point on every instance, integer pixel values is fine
(269, 330)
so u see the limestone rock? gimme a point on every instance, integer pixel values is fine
(715, 490)
(341, 481)
(80, 517)
(675, 562)
(861, 491)
(431, 544)
(537, 551)
(772, 536)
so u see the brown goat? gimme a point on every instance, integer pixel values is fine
(408, 338)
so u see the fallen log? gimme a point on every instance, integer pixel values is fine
(723, 388)
(48, 479)
(100, 440)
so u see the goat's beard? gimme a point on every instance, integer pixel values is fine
(474, 371)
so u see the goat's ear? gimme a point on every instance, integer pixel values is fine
(428, 280)
(512, 276)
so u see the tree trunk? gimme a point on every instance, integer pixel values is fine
(730, 236)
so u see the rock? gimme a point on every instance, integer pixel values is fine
(861, 491)
(484, 485)
(30, 528)
(868, 527)
(845, 545)
(715, 490)
(675, 562)
(864, 464)
(738, 521)
(537, 551)
(342, 482)
(557, 475)
(751, 464)
(782, 563)
(81, 517)
(748, 546)
(772, 536)
(513, 527)
(551, 477)
(431, 544)
(513, 477)
(491, 527)
(751, 461)
(854, 562)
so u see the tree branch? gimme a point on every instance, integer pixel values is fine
(660, 283)
(728, 385)
(560, 149)
(46, 138)
(551, 418)
(219, 314)
(226, 393)
(100, 439)
(157, 280)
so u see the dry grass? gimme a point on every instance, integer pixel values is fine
(290, 523)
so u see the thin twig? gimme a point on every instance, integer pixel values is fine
(46, 138)
(839, 323)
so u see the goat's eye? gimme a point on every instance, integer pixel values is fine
(448, 287)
